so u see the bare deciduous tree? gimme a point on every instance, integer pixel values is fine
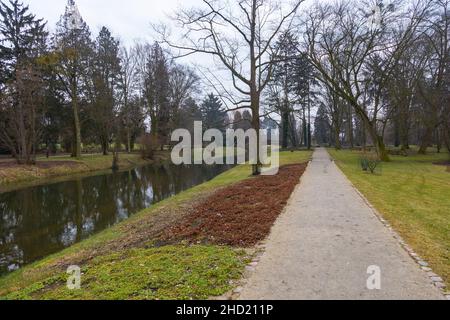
(433, 85)
(241, 36)
(356, 58)
(127, 87)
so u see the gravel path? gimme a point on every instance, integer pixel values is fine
(323, 245)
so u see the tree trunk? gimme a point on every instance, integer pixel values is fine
(446, 136)
(447, 143)
(438, 140)
(379, 144)
(256, 169)
(293, 134)
(285, 128)
(426, 141)
(255, 94)
(128, 141)
(350, 127)
(396, 133)
(382, 151)
(22, 147)
(337, 138)
(305, 129)
(76, 122)
(105, 145)
(404, 137)
(309, 125)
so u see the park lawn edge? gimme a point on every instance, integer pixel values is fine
(430, 245)
(42, 270)
(23, 176)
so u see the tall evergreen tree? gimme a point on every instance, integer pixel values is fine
(72, 60)
(322, 124)
(105, 80)
(189, 113)
(213, 113)
(282, 99)
(23, 38)
(290, 88)
(156, 91)
(22, 43)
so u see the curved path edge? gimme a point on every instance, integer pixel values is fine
(331, 244)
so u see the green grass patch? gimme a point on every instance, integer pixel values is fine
(172, 272)
(413, 194)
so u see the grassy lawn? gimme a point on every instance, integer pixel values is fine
(143, 272)
(413, 194)
(172, 272)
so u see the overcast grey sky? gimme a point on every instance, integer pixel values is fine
(127, 19)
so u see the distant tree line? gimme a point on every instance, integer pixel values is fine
(346, 73)
(377, 73)
(71, 89)
(384, 70)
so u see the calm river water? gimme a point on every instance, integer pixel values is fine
(41, 220)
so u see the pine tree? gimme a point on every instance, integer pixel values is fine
(322, 126)
(22, 42)
(213, 113)
(105, 79)
(157, 92)
(72, 58)
(283, 96)
(290, 87)
(189, 113)
(23, 38)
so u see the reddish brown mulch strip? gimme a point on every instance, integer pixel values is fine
(241, 215)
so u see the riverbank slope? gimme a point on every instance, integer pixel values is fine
(129, 261)
(12, 173)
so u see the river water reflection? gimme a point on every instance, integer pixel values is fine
(38, 221)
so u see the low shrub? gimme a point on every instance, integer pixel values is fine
(370, 163)
(364, 162)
